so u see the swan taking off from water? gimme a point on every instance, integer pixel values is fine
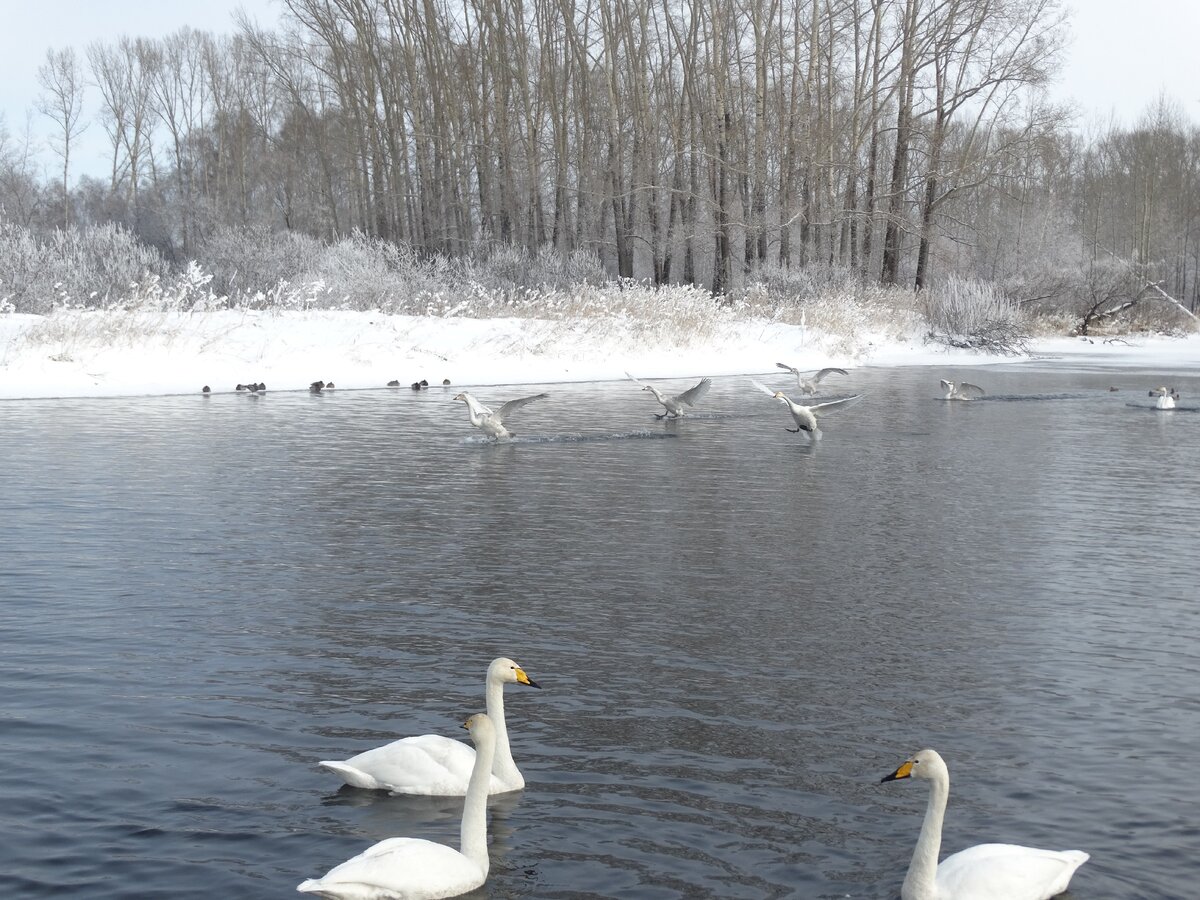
(491, 422)
(437, 766)
(416, 869)
(1166, 398)
(808, 382)
(675, 404)
(982, 872)
(962, 390)
(806, 416)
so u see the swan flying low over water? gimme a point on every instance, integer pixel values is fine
(1166, 398)
(808, 382)
(437, 766)
(962, 390)
(982, 872)
(491, 422)
(415, 869)
(675, 404)
(806, 416)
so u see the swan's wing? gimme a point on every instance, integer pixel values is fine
(830, 371)
(821, 408)
(762, 387)
(405, 867)
(974, 391)
(507, 409)
(428, 764)
(1007, 870)
(693, 394)
(791, 369)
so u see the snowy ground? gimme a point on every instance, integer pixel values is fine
(93, 354)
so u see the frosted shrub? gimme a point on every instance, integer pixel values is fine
(246, 262)
(81, 266)
(975, 315)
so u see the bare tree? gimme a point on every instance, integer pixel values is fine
(61, 81)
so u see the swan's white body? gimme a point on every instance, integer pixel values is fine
(1166, 398)
(675, 404)
(808, 382)
(983, 872)
(491, 422)
(433, 765)
(415, 869)
(806, 416)
(962, 390)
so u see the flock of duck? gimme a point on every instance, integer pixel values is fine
(434, 765)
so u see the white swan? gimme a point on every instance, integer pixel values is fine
(808, 382)
(806, 416)
(491, 422)
(1166, 398)
(437, 766)
(962, 390)
(675, 404)
(983, 872)
(416, 869)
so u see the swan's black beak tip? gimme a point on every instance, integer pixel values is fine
(533, 683)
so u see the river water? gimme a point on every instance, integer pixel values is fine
(737, 633)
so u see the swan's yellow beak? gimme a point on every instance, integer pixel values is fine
(904, 771)
(522, 678)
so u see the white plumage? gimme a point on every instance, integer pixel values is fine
(416, 869)
(982, 872)
(435, 765)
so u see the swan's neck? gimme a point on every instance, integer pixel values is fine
(921, 881)
(503, 766)
(656, 394)
(473, 835)
(474, 410)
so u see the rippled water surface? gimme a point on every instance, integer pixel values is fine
(737, 633)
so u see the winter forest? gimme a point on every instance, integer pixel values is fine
(389, 151)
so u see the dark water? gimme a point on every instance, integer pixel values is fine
(737, 634)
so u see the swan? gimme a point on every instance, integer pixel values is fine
(491, 422)
(962, 390)
(806, 416)
(437, 766)
(982, 872)
(415, 869)
(1166, 398)
(676, 403)
(808, 382)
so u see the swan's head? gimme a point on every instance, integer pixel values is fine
(507, 671)
(778, 395)
(947, 385)
(462, 396)
(1158, 392)
(926, 764)
(480, 727)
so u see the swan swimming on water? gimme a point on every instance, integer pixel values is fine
(437, 766)
(806, 416)
(491, 422)
(416, 869)
(962, 390)
(808, 382)
(982, 872)
(675, 404)
(1166, 398)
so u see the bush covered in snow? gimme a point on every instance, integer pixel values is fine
(973, 314)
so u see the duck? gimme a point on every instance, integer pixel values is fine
(982, 872)
(316, 387)
(433, 765)
(808, 382)
(805, 417)
(405, 868)
(962, 390)
(1166, 398)
(491, 422)
(393, 383)
(674, 404)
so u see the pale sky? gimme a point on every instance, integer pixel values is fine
(1122, 55)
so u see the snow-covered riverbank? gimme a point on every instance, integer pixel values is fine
(82, 354)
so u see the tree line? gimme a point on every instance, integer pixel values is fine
(701, 143)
